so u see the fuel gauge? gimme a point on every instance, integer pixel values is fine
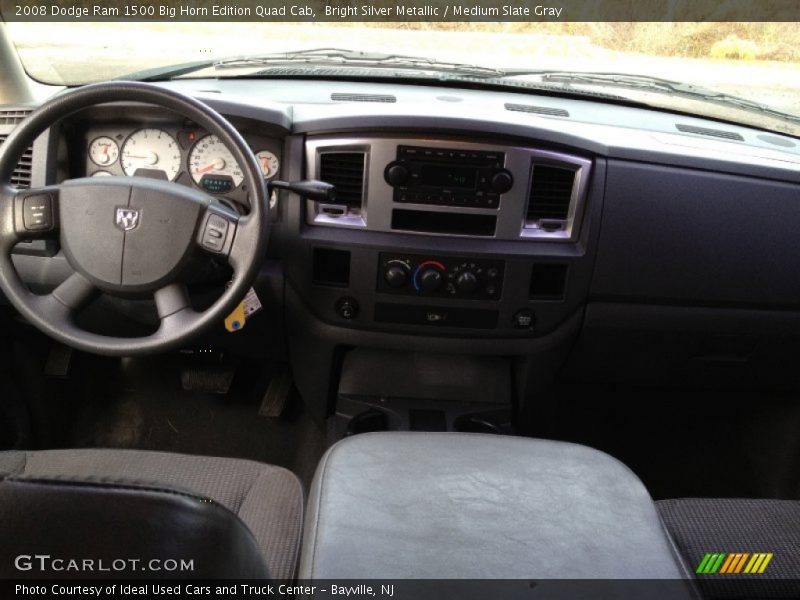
(103, 151)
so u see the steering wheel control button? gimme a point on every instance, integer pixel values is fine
(347, 308)
(37, 212)
(524, 319)
(215, 233)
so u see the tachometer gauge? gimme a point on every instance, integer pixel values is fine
(103, 151)
(151, 153)
(269, 163)
(213, 167)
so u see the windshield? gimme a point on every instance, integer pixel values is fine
(757, 62)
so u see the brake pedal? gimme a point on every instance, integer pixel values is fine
(277, 393)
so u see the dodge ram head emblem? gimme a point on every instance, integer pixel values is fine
(127, 218)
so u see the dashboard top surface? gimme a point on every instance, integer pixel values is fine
(597, 127)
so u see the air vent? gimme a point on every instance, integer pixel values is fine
(538, 110)
(21, 177)
(12, 117)
(717, 133)
(551, 193)
(345, 170)
(385, 98)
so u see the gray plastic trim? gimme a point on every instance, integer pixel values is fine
(378, 203)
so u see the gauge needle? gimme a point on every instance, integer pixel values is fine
(150, 158)
(218, 164)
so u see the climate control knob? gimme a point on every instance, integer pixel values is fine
(396, 276)
(429, 279)
(397, 174)
(466, 282)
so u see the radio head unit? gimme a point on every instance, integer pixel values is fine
(448, 177)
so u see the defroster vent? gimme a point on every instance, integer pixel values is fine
(550, 196)
(21, 177)
(345, 170)
(537, 110)
(707, 131)
(351, 97)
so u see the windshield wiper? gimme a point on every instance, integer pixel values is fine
(167, 72)
(352, 58)
(316, 57)
(651, 84)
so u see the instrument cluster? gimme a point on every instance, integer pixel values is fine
(185, 155)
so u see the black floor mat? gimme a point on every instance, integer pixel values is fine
(139, 403)
(689, 443)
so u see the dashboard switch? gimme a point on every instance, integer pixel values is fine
(215, 232)
(37, 212)
(396, 276)
(429, 278)
(524, 319)
(467, 282)
(347, 308)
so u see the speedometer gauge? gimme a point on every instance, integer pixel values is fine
(151, 153)
(213, 167)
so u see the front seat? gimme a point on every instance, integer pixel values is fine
(236, 518)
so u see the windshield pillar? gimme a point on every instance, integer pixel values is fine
(15, 86)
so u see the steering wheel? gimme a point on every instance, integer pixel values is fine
(128, 235)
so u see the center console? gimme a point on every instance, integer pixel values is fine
(445, 506)
(476, 246)
(441, 236)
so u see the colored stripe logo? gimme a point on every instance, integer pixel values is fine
(734, 563)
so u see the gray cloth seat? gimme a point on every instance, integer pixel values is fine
(268, 499)
(701, 526)
(476, 506)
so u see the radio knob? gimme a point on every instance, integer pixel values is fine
(396, 276)
(430, 279)
(467, 282)
(397, 174)
(502, 182)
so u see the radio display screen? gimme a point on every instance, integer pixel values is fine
(447, 176)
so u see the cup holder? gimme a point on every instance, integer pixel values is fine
(368, 421)
(478, 423)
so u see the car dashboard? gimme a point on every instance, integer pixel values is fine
(599, 240)
(151, 143)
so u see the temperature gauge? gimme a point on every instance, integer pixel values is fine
(103, 151)
(269, 163)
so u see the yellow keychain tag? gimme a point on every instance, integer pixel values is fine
(237, 319)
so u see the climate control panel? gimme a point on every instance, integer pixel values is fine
(443, 277)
